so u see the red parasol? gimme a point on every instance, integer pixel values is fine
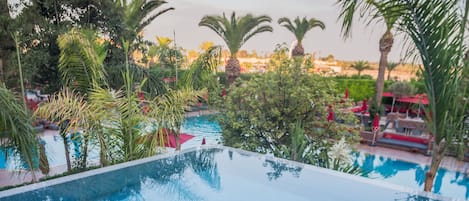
(183, 137)
(387, 94)
(170, 141)
(375, 124)
(364, 106)
(375, 127)
(330, 116)
(417, 99)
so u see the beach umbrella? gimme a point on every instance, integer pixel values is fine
(170, 139)
(183, 137)
(375, 127)
(330, 116)
(364, 106)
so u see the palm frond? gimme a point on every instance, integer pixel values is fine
(236, 31)
(16, 128)
(438, 32)
(301, 26)
(81, 59)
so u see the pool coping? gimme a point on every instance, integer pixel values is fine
(379, 183)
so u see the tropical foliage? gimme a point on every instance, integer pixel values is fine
(81, 60)
(235, 31)
(375, 10)
(390, 67)
(259, 117)
(360, 66)
(299, 29)
(16, 130)
(437, 30)
(138, 14)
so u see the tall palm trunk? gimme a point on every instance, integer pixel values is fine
(389, 75)
(63, 134)
(438, 154)
(232, 70)
(385, 45)
(84, 151)
(298, 51)
(177, 137)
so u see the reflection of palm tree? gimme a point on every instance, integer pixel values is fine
(279, 167)
(368, 163)
(391, 167)
(420, 175)
(204, 165)
(461, 180)
(439, 180)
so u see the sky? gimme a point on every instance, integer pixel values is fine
(363, 45)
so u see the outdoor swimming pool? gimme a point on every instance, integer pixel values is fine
(217, 173)
(447, 183)
(199, 126)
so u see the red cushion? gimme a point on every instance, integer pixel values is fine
(406, 138)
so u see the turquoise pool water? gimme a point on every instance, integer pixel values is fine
(199, 126)
(447, 183)
(213, 174)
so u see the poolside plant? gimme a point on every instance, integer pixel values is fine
(70, 111)
(16, 129)
(201, 73)
(437, 30)
(20, 68)
(81, 60)
(372, 11)
(236, 31)
(299, 28)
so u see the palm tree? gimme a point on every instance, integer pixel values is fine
(16, 128)
(390, 67)
(438, 32)
(20, 69)
(70, 111)
(378, 12)
(81, 60)
(138, 14)
(300, 28)
(360, 66)
(235, 32)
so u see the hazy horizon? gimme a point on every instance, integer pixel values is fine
(363, 45)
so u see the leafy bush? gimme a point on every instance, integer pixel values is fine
(259, 113)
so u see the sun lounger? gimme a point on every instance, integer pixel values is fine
(408, 143)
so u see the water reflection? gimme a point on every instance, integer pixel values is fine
(172, 176)
(396, 171)
(277, 169)
(461, 179)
